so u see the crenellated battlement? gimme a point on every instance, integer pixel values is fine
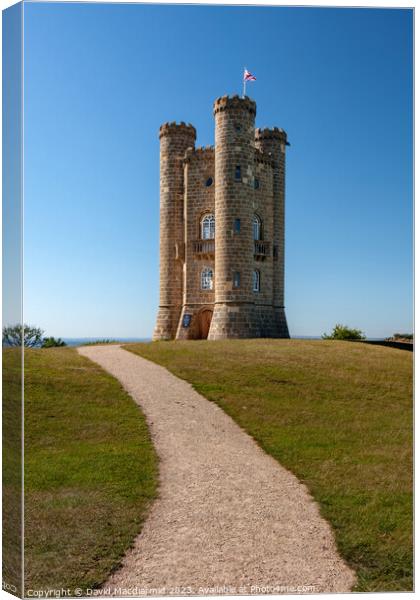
(200, 153)
(174, 128)
(205, 149)
(271, 134)
(234, 102)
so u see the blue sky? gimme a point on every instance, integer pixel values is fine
(12, 166)
(99, 81)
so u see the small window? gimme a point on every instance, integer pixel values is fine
(256, 184)
(209, 182)
(256, 227)
(207, 227)
(237, 228)
(275, 251)
(238, 173)
(256, 281)
(237, 127)
(236, 279)
(207, 279)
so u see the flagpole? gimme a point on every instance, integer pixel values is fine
(244, 84)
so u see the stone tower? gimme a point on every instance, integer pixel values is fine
(234, 201)
(174, 141)
(222, 229)
(272, 143)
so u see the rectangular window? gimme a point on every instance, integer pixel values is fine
(236, 279)
(237, 225)
(256, 281)
(207, 279)
(238, 173)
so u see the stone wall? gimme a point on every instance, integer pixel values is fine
(198, 202)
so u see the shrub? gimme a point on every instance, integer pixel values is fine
(52, 342)
(342, 332)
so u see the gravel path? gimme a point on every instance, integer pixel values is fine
(229, 518)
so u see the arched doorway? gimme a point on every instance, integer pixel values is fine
(204, 320)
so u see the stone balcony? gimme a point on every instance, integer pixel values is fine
(203, 248)
(261, 249)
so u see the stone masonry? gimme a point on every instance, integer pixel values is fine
(222, 229)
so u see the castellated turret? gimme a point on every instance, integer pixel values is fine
(222, 229)
(174, 141)
(272, 143)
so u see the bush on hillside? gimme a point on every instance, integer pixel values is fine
(342, 332)
(52, 342)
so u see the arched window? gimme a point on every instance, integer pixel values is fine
(207, 279)
(256, 227)
(207, 227)
(256, 281)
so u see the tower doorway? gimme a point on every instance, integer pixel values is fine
(204, 320)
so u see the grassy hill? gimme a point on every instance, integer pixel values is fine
(337, 414)
(12, 469)
(90, 470)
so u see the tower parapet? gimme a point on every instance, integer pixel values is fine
(177, 129)
(201, 153)
(235, 102)
(271, 134)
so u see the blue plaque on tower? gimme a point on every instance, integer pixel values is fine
(186, 320)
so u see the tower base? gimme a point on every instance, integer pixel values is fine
(233, 321)
(241, 321)
(280, 328)
(166, 323)
(272, 322)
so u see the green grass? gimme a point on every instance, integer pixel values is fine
(339, 416)
(90, 471)
(12, 469)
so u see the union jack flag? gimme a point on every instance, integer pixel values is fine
(249, 76)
